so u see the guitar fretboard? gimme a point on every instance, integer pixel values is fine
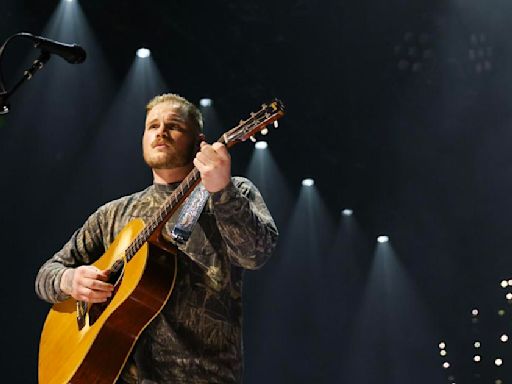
(266, 115)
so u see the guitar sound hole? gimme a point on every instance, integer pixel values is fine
(96, 309)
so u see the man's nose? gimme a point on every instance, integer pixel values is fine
(162, 131)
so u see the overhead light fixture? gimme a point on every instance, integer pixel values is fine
(205, 102)
(308, 182)
(261, 145)
(383, 239)
(143, 53)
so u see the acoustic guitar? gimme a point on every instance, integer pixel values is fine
(85, 343)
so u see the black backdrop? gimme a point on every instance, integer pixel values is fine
(399, 110)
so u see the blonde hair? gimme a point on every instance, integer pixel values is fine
(193, 113)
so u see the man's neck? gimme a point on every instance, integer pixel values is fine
(168, 176)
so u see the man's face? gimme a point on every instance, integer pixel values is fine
(169, 139)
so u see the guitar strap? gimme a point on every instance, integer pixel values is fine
(189, 214)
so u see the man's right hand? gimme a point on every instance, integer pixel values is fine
(86, 283)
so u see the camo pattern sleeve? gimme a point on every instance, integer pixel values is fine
(245, 223)
(84, 247)
(89, 242)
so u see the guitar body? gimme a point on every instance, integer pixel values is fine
(97, 352)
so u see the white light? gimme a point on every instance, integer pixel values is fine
(442, 345)
(498, 362)
(510, 282)
(206, 102)
(69, 1)
(501, 312)
(383, 239)
(474, 312)
(443, 352)
(308, 182)
(509, 296)
(504, 338)
(261, 145)
(504, 284)
(347, 212)
(476, 358)
(143, 53)
(264, 131)
(477, 344)
(446, 365)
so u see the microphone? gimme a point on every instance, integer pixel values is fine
(72, 53)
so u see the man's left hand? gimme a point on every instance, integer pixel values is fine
(214, 164)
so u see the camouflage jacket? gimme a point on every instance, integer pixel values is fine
(197, 336)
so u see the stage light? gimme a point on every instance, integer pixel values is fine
(383, 239)
(261, 145)
(474, 312)
(509, 296)
(308, 182)
(504, 284)
(347, 212)
(504, 338)
(446, 365)
(501, 312)
(476, 344)
(414, 52)
(443, 352)
(477, 358)
(498, 362)
(206, 102)
(480, 53)
(510, 282)
(143, 53)
(442, 345)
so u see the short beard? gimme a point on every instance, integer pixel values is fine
(170, 160)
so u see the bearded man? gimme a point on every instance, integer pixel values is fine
(196, 338)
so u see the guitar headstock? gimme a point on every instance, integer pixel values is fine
(257, 122)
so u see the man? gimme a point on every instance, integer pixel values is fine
(197, 336)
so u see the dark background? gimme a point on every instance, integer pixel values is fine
(398, 109)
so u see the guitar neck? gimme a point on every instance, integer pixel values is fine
(245, 129)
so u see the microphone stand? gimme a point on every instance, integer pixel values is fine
(27, 75)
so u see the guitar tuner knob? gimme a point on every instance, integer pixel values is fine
(264, 131)
(253, 139)
(276, 124)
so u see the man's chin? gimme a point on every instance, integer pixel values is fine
(166, 164)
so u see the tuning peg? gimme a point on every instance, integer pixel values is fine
(253, 139)
(264, 131)
(276, 124)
